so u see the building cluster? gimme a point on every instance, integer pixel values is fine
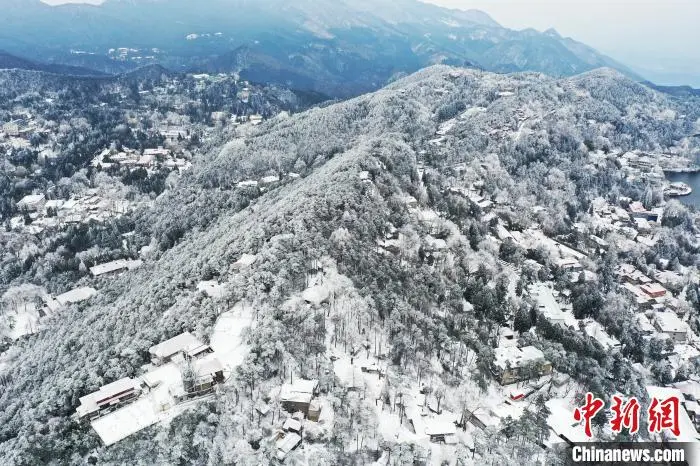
(39, 214)
(299, 400)
(17, 133)
(181, 369)
(634, 225)
(649, 166)
(150, 159)
(521, 369)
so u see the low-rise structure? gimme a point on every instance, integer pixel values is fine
(687, 431)
(314, 413)
(246, 260)
(653, 290)
(208, 372)
(108, 397)
(671, 325)
(115, 267)
(286, 444)
(598, 333)
(75, 296)
(297, 396)
(547, 305)
(569, 265)
(514, 364)
(180, 347)
(211, 288)
(292, 425)
(32, 203)
(440, 431)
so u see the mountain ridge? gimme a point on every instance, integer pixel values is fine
(358, 46)
(9, 61)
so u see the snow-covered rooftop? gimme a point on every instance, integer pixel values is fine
(90, 402)
(287, 444)
(688, 433)
(208, 365)
(596, 331)
(292, 424)
(547, 303)
(76, 296)
(510, 356)
(669, 322)
(301, 390)
(177, 344)
(561, 421)
(440, 426)
(211, 288)
(115, 266)
(31, 200)
(246, 260)
(316, 294)
(127, 421)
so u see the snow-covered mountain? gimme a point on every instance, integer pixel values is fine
(338, 47)
(374, 202)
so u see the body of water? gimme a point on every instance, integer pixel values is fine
(692, 180)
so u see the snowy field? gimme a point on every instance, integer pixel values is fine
(155, 406)
(25, 323)
(228, 340)
(127, 421)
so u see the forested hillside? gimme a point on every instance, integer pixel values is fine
(387, 165)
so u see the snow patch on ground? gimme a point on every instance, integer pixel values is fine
(25, 323)
(127, 421)
(228, 340)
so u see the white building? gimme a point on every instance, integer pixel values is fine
(512, 364)
(108, 397)
(211, 288)
(184, 344)
(597, 332)
(32, 203)
(75, 296)
(671, 325)
(548, 305)
(286, 444)
(115, 267)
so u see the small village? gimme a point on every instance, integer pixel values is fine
(161, 122)
(151, 160)
(40, 214)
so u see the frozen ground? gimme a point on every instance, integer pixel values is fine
(127, 421)
(228, 338)
(25, 323)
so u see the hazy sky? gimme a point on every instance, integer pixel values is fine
(659, 37)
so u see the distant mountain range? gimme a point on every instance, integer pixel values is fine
(339, 47)
(8, 61)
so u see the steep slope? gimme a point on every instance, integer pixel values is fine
(342, 48)
(358, 160)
